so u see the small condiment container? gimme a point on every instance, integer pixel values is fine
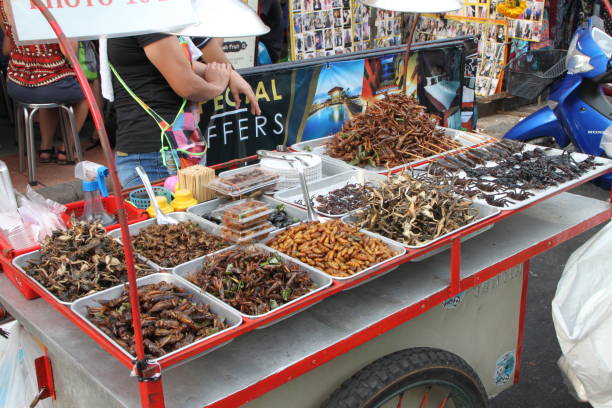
(183, 199)
(162, 202)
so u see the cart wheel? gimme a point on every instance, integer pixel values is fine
(413, 378)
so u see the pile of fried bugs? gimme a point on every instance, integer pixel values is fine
(170, 319)
(392, 131)
(336, 248)
(81, 261)
(342, 200)
(414, 210)
(252, 280)
(513, 172)
(174, 244)
(280, 219)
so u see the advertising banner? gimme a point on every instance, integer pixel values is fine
(313, 101)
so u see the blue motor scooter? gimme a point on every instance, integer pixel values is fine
(577, 111)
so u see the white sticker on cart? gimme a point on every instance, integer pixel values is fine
(453, 302)
(504, 368)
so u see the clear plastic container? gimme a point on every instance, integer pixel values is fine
(236, 183)
(255, 233)
(243, 214)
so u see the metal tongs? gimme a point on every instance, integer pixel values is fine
(295, 161)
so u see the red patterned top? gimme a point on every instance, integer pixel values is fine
(37, 64)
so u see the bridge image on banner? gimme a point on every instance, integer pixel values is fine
(337, 98)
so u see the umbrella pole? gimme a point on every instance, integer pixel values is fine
(413, 27)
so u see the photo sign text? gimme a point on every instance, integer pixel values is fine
(90, 19)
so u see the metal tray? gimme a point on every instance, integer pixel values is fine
(484, 212)
(207, 207)
(219, 308)
(322, 280)
(21, 261)
(207, 226)
(606, 164)
(467, 139)
(394, 246)
(323, 187)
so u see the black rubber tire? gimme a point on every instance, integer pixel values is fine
(544, 142)
(385, 376)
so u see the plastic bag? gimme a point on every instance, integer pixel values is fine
(14, 231)
(582, 314)
(606, 141)
(18, 384)
(41, 216)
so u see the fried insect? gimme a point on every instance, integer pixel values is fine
(414, 210)
(342, 200)
(168, 324)
(334, 247)
(510, 173)
(392, 131)
(174, 244)
(252, 280)
(81, 261)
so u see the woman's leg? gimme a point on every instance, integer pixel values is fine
(47, 120)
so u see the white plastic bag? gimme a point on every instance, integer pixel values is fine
(41, 216)
(606, 141)
(582, 314)
(18, 384)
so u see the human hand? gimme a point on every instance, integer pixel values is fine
(239, 86)
(218, 74)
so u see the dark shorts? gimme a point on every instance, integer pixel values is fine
(66, 91)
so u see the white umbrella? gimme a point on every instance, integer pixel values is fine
(225, 18)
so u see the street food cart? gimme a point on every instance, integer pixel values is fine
(462, 309)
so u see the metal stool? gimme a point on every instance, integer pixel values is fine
(24, 117)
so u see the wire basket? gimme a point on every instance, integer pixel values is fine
(530, 73)
(141, 200)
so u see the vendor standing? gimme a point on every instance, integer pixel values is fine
(152, 79)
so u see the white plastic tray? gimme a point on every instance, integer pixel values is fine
(206, 225)
(539, 194)
(232, 318)
(484, 212)
(321, 280)
(395, 247)
(22, 261)
(322, 187)
(467, 139)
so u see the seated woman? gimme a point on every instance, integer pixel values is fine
(40, 73)
(155, 70)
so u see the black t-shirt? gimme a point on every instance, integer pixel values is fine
(272, 15)
(137, 132)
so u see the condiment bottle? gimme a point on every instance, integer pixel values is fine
(163, 205)
(183, 199)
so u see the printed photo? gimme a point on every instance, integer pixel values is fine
(318, 20)
(346, 3)
(317, 5)
(338, 38)
(347, 38)
(346, 18)
(309, 42)
(310, 55)
(329, 39)
(308, 5)
(327, 4)
(338, 18)
(297, 23)
(319, 40)
(365, 35)
(328, 19)
(307, 22)
(299, 43)
(336, 3)
(357, 33)
(297, 5)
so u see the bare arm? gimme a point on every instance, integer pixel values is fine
(168, 57)
(213, 52)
